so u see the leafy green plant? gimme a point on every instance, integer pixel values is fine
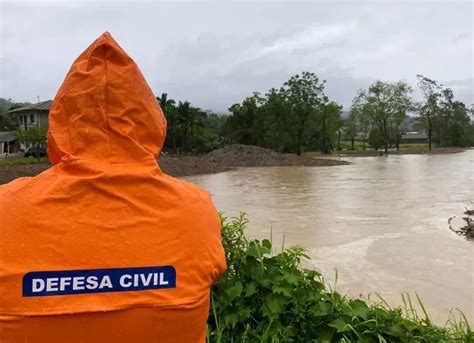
(33, 137)
(268, 297)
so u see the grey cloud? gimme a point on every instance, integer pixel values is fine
(214, 54)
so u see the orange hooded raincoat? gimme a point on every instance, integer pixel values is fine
(104, 247)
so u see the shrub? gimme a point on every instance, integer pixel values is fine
(376, 139)
(266, 297)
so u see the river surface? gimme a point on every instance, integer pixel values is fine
(381, 222)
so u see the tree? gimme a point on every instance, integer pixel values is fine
(8, 121)
(215, 122)
(453, 122)
(381, 102)
(376, 138)
(277, 134)
(430, 109)
(196, 128)
(191, 128)
(33, 137)
(364, 127)
(351, 126)
(460, 130)
(169, 110)
(339, 136)
(362, 117)
(182, 122)
(398, 129)
(164, 102)
(189, 120)
(446, 119)
(244, 125)
(305, 98)
(212, 135)
(328, 122)
(288, 119)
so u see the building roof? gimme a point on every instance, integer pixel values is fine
(40, 106)
(7, 136)
(415, 135)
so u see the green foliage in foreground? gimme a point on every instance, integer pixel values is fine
(266, 297)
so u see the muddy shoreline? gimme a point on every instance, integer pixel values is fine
(220, 160)
(229, 158)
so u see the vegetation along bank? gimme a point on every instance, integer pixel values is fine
(297, 117)
(266, 296)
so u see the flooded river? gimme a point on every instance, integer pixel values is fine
(381, 222)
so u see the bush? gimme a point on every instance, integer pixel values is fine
(266, 297)
(376, 139)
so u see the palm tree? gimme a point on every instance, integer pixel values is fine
(183, 119)
(188, 119)
(196, 123)
(168, 107)
(165, 103)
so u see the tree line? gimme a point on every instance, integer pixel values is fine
(298, 117)
(8, 121)
(190, 129)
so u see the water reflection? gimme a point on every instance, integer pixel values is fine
(382, 221)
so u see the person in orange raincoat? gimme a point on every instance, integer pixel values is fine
(104, 247)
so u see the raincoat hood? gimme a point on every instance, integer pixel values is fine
(105, 111)
(104, 246)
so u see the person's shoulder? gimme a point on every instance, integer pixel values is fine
(13, 196)
(9, 189)
(22, 188)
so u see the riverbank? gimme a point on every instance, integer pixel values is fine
(217, 161)
(402, 151)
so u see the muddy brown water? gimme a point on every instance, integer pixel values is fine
(381, 222)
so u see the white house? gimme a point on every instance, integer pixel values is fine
(36, 115)
(33, 115)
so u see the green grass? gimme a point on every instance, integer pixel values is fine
(22, 160)
(268, 297)
(359, 146)
(415, 145)
(346, 148)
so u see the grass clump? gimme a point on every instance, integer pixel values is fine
(267, 297)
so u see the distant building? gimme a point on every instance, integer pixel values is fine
(415, 137)
(33, 115)
(8, 143)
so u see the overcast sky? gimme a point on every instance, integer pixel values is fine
(216, 53)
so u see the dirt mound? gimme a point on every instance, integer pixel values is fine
(243, 155)
(238, 155)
